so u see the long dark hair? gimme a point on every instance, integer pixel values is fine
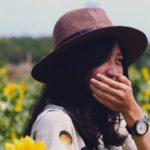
(91, 119)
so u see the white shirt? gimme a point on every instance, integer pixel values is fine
(55, 127)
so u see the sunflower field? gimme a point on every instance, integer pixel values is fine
(19, 96)
(141, 87)
(16, 101)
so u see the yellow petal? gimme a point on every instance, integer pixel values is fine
(10, 89)
(146, 106)
(3, 71)
(9, 146)
(39, 145)
(26, 143)
(13, 134)
(18, 106)
(145, 73)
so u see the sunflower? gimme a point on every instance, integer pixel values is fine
(26, 143)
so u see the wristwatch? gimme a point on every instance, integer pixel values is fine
(139, 128)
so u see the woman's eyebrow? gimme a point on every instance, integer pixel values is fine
(119, 54)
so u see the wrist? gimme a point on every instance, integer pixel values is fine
(140, 127)
(133, 115)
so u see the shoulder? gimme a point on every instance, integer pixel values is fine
(55, 127)
(53, 116)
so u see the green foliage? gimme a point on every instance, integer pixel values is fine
(15, 50)
(141, 87)
(144, 60)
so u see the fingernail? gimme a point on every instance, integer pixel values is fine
(92, 80)
(100, 76)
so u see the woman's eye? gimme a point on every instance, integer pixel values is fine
(119, 61)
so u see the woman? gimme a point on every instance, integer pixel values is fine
(88, 101)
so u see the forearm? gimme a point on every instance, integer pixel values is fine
(142, 142)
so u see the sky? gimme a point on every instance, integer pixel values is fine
(37, 17)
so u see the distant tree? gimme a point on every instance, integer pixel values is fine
(15, 50)
(144, 60)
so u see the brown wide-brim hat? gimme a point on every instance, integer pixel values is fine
(81, 26)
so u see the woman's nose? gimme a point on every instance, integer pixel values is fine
(112, 72)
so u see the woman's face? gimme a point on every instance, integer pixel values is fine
(111, 67)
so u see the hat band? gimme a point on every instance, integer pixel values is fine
(76, 34)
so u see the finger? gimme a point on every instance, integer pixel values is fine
(110, 82)
(104, 102)
(124, 79)
(103, 95)
(104, 87)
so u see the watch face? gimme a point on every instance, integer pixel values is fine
(141, 127)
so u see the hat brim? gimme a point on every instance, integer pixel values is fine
(134, 42)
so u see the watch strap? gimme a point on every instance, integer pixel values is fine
(133, 131)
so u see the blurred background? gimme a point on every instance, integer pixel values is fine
(25, 38)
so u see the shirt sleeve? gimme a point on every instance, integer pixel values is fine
(56, 129)
(129, 143)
